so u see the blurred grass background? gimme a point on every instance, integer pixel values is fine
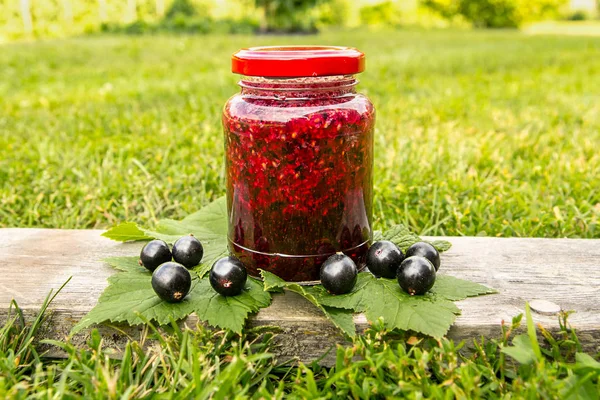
(479, 132)
(485, 132)
(31, 19)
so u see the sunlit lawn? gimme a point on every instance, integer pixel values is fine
(492, 133)
(575, 28)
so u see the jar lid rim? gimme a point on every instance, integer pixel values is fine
(297, 61)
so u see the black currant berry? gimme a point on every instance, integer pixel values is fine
(155, 253)
(384, 258)
(338, 274)
(228, 276)
(416, 275)
(188, 251)
(171, 282)
(424, 249)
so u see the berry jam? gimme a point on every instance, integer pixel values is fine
(299, 158)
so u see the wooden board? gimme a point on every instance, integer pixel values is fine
(563, 271)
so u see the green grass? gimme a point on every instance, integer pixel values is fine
(478, 133)
(204, 364)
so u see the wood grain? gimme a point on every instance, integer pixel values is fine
(563, 271)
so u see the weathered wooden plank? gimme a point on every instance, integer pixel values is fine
(563, 271)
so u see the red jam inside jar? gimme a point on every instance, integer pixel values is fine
(299, 160)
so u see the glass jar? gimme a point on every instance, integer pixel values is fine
(299, 160)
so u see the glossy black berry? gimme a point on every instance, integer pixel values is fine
(424, 249)
(384, 258)
(188, 251)
(416, 275)
(228, 276)
(338, 274)
(171, 281)
(155, 253)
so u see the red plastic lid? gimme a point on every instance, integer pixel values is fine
(296, 61)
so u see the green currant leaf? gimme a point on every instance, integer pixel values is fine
(431, 314)
(126, 264)
(441, 245)
(377, 235)
(428, 314)
(125, 232)
(340, 317)
(209, 258)
(210, 222)
(130, 298)
(455, 289)
(229, 311)
(129, 293)
(350, 301)
(209, 225)
(404, 238)
(401, 236)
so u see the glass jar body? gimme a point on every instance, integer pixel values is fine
(299, 173)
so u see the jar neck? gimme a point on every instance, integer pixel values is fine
(304, 87)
